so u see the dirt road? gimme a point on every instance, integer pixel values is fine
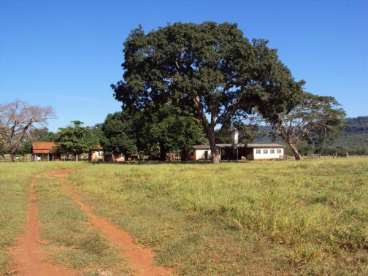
(28, 258)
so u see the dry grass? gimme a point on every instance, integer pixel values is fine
(309, 217)
(255, 218)
(71, 240)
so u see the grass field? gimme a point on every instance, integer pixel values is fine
(286, 217)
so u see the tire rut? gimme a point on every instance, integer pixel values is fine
(28, 258)
(140, 258)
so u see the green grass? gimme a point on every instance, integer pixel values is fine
(307, 217)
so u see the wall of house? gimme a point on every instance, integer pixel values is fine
(268, 153)
(118, 157)
(200, 154)
(97, 155)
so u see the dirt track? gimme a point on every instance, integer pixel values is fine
(140, 258)
(28, 256)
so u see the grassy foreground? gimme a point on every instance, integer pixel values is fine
(66, 234)
(70, 240)
(15, 180)
(286, 217)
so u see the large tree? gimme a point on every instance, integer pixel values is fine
(18, 121)
(210, 70)
(314, 120)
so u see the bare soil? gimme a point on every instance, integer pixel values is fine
(141, 259)
(28, 258)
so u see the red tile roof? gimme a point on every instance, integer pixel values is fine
(43, 147)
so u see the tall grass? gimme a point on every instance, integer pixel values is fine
(309, 217)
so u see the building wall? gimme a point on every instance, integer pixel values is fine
(268, 153)
(118, 157)
(200, 154)
(96, 156)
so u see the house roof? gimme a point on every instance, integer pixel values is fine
(239, 146)
(264, 146)
(229, 145)
(201, 147)
(43, 147)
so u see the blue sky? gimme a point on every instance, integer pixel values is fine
(67, 53)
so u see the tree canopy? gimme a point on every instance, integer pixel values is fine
(315, 120)
(75, 139)
(209, 70)
(119, 136)
(169, 129)
(161, 131)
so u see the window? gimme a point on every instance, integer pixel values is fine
(258, 151)
(279, 151)
(272, 151)
(265, 151)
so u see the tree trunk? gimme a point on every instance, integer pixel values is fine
(295, 151)
(216, 156)
(163, 153)
(13, 156)
(183, 154)
(209, 129)
(215, 153)
(76, 157)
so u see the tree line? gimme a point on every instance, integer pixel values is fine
(186, 84)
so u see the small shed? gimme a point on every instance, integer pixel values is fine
(201, 152)
(45, 151)
(227, 151)
(96, 154)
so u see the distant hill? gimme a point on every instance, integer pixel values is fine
(353, 139)
(357, 125)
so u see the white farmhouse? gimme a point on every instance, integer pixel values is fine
(249, 152)
(265, 151)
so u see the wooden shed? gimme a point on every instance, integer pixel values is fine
(45, 151)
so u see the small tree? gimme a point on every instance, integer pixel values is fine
(315, 118)
(17, 122)
(74, 139)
